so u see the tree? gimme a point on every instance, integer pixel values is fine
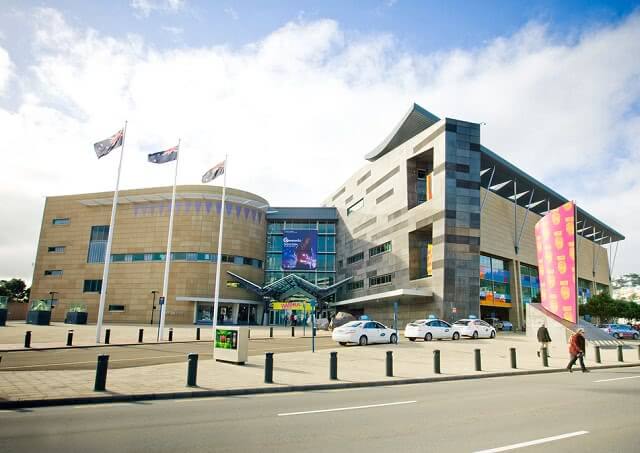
(15, 289)
(626, 280)
(601, 306)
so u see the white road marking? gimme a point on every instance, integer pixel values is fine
(346, 408)
(534, 442)
(618, 379)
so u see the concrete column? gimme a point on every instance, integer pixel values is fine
(516, 295)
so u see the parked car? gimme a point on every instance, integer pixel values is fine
(363, 333)
(494, 322)
(507, 326)
(430, 329)
(620, 331)
(474, 328)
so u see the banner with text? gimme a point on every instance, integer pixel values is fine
(556, 248)
(299, 250)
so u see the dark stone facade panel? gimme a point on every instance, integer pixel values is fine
(384, 196)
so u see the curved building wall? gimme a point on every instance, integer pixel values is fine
(139, 247)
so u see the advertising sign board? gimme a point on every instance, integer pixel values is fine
(290, 306)
(299, 249)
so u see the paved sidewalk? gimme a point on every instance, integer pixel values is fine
(355, 365)
(55, 335)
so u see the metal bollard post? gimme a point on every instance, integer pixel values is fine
(639, 352)
(249, 333)
(70, 338)
(268, 368)
(171, 334)
(620, 358)
(101, 373)
(598, 359)
(293, 331)
(198, 333)
(107, 336)
(140, 335)
(192, 370)
(545, 357)
(389, 363)
(514, 364)
(478, 361)
(436, 361)
(333, 366)
(27, 339)
(270, 332)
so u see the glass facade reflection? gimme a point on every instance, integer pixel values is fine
(529, 282)
(494, 281)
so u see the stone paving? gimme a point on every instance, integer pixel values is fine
(55, 334)
(355, 364)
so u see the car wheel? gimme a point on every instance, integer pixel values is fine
(343, 343)
(393, 339)
(616, 335)
(363, 341)
(428, 337)
(456, 336)
(475, 335)
(412, 339)
(635, 336)
(493, 334)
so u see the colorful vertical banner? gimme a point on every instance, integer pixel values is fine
(428, 190)
(429, 260)
(556, 247)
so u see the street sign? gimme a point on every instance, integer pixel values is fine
(161, 300)
(454, 310)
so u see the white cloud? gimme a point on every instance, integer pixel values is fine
(232, 13)
(146, 7)
(6, 70)
(298, 109)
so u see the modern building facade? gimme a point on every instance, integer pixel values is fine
(433, 223)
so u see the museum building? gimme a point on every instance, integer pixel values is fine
(433, 223)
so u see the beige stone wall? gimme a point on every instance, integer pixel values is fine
(141, 227)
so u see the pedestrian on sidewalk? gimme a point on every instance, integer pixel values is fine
(577, 346)
(544, 339)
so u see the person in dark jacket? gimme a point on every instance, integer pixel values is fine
(544, 339)
(577, 346)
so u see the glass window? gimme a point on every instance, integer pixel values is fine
(380, 280)
(354, 285)
(61, 221)
(322, 244)
(380, 249)
(137, 256)
(355, 206)
(325, 279)
(98, 243)
(331, 243)
(275, 227)
(56, 249)
(116, 307)
(117, 257)
(238, 260)
(355, 258)
(274, 243)
(274, 261)
(53, 272)
(92, 286)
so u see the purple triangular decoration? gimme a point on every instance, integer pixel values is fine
(198, 206)
(208, 205)
(238, 211)
(246, 212)
(228, 207)
(187, 206)
(219, 207)
(259, 216)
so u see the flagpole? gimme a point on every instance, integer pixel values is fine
(219, 259)
(167, 260)
(107, 254)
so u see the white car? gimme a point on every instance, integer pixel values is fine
(430, 329)
(364, 332)
(474, 328)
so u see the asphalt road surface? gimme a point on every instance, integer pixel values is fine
(142, 355)
(561, 412)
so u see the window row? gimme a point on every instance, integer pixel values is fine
(380, 280)
(380, 249)
(324, 262)
(323, 227)
(354, 285)
(326, 244)
(494, 269)
(355, 258)
(185, 256)
(56, 249)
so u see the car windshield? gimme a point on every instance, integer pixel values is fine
(462, 322)
(353, 324)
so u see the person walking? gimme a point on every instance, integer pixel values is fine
(544, 339)
(577, 345)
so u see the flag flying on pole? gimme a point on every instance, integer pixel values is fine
(213, 173)
(164, 156)
(104, 147)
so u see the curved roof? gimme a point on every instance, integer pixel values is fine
(412, 123)
(286, 284)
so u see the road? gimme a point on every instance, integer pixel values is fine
(560, 412)
(142, 355)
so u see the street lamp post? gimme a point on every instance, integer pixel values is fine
(153, 305)
(51, 294)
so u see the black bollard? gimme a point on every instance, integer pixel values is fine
(545, 357)
(198, 333)
(293, 331)
(248, 333)
(192, 370)
(620, 358)
(436, 361)
(598, 359)
(27, 339)
(639, 352)
(140, 335)
(107, 336)
(333, 366)
(171, 334)
(270, 332)
(514, 364)
(389, 363)
(101, 373)
(268, 368)
(70, 338)
(478, 360)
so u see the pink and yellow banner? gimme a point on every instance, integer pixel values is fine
(556, 247)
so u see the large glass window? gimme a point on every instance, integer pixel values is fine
(379, 249)
(92, 286)
(529, 282)
(494, 281)
(275, 227)
(274, 243)
(98, 243)
(62, 221)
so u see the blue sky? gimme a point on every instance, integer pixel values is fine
(307, 84)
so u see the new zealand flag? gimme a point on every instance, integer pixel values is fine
(164, 156)
(104, 147)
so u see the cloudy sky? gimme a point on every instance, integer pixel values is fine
(311, 87)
